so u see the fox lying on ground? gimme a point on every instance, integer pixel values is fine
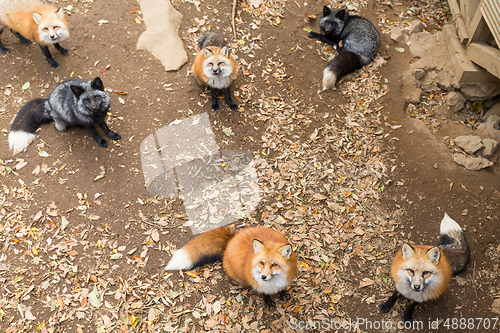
(354, 37)
(38, 21)
(258, 257)
(215, 66)
(422, 272)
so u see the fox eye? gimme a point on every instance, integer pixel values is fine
(262, 263)
(55, 27)
(274, 265)
(45, 29)
(411, 271)
(426, 273)
(221, 63)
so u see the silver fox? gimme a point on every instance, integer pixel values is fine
(71, 103)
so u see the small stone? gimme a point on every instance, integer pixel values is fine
(435, 166)
(416, 26)
(490, 128)
(430, 81)
(408, 79)
(397, 34)
(411, 94)
(418, 73)
(495, 308)
(471, 163)
(490, 147)
(469, 143)
(455, 101)
(495, 110)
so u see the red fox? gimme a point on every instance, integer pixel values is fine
(258, 257)
(215, 66)
(38, 21)
(423, 272)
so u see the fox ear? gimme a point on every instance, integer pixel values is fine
(77, 90)
(326, 11)
(207, 52)
(285, 251)
(37, 17)
(408, 251)
(342, 14)
(97, 84)
(434, 254)
(225, 51)
(258, 246)
(60, 14)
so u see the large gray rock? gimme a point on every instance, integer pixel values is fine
(161, 36)
(490, 128)
(490, 147)
(455, 101)
(471, 163)
(469, 143)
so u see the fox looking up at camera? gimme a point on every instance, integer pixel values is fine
(258, 257)
(35, 20)
(215, 67)
(422, 272)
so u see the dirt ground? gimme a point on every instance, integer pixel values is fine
(344, 247)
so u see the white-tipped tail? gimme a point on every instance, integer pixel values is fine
(329, 78)
(180, 260)
(448, 225)
(20, 140)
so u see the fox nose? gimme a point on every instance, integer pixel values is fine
(53, 37)
(216, 71)
(416, 288)
(264, 277)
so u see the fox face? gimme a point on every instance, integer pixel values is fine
(333, 22)
(420, 270)
(270, 266)
(217, 67)
(51, 26)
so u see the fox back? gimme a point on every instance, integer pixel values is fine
(261, 258)
(36, 20)
(357, 34)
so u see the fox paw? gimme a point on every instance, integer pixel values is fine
(54, 64)
(407, 321)
(233, 106)
(313, 34)
(64, 51)
(4, 50)
(384, 308)
(114, 136)
(284, 295)
(215, 107)
(102, 142)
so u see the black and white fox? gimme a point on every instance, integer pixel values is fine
(71, 103)
(354, 37)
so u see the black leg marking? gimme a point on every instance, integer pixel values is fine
(22, 39)
(387, 305)
(100, 141)
(3, 48)
(215, 102)
(48, 56)
(408, 313)
(323, 38)
(112, 135)
(268, 302)
(61, 49)
(227, 95)
(284, 295)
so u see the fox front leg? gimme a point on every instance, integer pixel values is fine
(48, 56)
(3, 48)
(227, 95)
(97, 137)
(112, 135)
(215, 101)
(322, 38)
(61, 49)
(408, 313)
(387, 305)
(268, 302)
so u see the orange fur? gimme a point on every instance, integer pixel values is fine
(240, 259)
(420, 263)
(199, 64)
(22, 21)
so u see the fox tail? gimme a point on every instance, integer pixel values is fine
(454, 244)
(205, 248)
(29, 118)
(344, 63)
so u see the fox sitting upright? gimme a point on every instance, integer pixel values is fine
(354, 37)
(423, 272)
(38, 21)
(215, 66)
(258, 257)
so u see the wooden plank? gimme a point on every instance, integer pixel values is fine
(491, 14)
(485, 56)
(463, 35)
(478, 30)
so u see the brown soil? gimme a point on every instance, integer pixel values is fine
(425, 183)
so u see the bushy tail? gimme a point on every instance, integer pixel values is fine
(454, 244)
(205, 248)
(31, 116)
(344, 63)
